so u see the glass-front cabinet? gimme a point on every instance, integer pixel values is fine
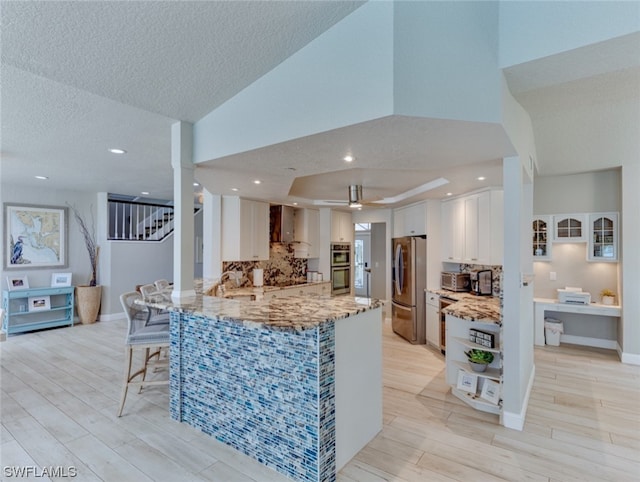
(570, 228)
(603, 237)
(541, 231)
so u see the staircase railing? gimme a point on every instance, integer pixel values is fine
(132, 221)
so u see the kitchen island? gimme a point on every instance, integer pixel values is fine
(294, 382)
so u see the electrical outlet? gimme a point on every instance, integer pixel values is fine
(552, 275)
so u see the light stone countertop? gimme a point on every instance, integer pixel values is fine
(483, 309)
(290, 312)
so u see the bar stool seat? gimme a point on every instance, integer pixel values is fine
(142, 335)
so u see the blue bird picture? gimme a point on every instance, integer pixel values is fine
(16, 253)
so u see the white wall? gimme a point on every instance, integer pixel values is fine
(577, 193)
(123, 265)
(78, 257)
(536, 29)
(446, 60)
(343, 77)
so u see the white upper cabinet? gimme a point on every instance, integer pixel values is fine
(541, 242)
(472, 228)
(245, 229)
(410, 220)
(341, 227)
(603, 237)
(453, 230)
(569, 228)
(306, 233)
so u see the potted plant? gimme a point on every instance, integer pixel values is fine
(608, 296)
(479, 359)
(88, 297)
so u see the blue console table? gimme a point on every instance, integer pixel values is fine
(21, 317)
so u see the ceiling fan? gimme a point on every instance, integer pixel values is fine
(355, 199)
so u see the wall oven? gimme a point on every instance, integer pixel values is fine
(340, 254)
(340, 268)
(340, 280)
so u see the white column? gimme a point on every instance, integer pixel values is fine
(211, 235)
(183, 252)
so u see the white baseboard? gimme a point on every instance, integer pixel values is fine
(113, 316)
(628, 358)
(586, 341)
(515, 421)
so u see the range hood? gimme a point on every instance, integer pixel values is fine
(281, 224)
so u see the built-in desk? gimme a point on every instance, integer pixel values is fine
(542, 305)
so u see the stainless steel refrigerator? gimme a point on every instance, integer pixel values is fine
(409, 278)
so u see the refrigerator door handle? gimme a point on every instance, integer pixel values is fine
(400, 307)
(399, 270)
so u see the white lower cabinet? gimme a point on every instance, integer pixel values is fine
(433, 319)
(481, 390)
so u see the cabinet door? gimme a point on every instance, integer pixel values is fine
(341, 227)
(260, 235)
(541, 242)
(471, 229)
(245, 240)
(313, 232)
(569, 228)
(410, 221)
(453, 230)
(603, 237)
(433, 320)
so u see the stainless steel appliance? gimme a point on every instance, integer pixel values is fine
(340, 268)
(409, 283)
(444, 302)
(481, 282)
(454, 281)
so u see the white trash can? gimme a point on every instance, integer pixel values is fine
(552, 330)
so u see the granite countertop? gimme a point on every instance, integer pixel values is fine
(483, 309)
(290, 312)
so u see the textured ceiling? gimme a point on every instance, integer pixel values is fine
(81, 77)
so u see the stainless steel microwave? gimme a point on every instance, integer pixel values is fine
(453, 281)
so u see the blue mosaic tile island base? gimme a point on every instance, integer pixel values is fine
(294, 382)
(266, 393)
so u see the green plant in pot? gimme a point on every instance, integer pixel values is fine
(88, 297)
(479, 359)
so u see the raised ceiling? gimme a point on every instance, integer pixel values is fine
(81, 77)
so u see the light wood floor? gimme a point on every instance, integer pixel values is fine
(60, 391)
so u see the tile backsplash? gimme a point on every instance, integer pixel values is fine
(496, 275)
(281, 267)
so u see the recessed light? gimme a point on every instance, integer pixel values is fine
(481, 178)
(449, 194)
(44, 178)
(348, 158)
(117, 151)
(145, 193)
(196, 184)
(295, 204)
(234, 189)
(257, 181)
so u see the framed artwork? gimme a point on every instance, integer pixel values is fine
(490, 391)
(39, 303)
(17, 283)
(467, 382)
(60, 279)
(35, 236)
